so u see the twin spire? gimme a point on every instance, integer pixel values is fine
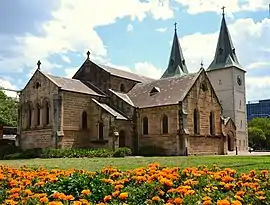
(225, 55)
(177, 65)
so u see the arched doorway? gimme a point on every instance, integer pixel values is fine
(230, 140)
(122, 139)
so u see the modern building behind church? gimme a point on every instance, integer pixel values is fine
(182, 113)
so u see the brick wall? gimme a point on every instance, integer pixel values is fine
(200, 145)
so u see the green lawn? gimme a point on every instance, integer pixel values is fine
(241, 163)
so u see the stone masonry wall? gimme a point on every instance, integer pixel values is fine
(205, 101)
(38, 89)
(206, 145)
(40, 138)
(117, 81)
(155, 136)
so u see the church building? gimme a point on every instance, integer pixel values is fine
(181, 113)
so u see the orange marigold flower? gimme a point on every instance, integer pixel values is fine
(69, 198)
(107, 198)
(86, 192)
(123, 196)
(223, 202)
(77, 203)
(116, 193)
(44, 199)
(178, 200)
(236, 203)
(207, 202)
(156, 198)
(261, 197)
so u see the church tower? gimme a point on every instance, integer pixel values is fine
(177, 65)
(228, 79)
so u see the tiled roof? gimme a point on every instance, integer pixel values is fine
(110, 110)
(71, 85)
(123, 96)
(170, 91)
(125, 74)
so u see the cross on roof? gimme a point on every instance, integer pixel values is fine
(223, 10)
(38, 64)
(175, 26)
(88, 54)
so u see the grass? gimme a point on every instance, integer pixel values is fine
(240, 163)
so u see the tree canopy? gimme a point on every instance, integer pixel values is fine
(259, 133)
(8, 110)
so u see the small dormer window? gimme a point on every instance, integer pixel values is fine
(220, 51)
(184, 62)
(154, 91)
(204, 87)
(37, 85)
(233, 51)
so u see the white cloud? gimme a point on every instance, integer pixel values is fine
(73, 29)
(8, 85)
(129, 28)
(250, 40)
(66, 59)
(162, 30)
(232, 6)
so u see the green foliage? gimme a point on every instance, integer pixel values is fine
(259, 133)
(122, 152)
(68, 153)
(8, 110)
(151, 151)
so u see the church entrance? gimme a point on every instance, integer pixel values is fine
(122, 139)
(230, 140)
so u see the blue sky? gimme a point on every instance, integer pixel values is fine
(132, 35)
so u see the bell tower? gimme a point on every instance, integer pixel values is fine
(228, 79)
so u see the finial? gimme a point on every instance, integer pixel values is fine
(88, 54)
(223, 10)
(201, 63)
(38, 64)
(175, 26)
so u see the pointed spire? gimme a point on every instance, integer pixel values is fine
(225, 55)
(38, 64)
(177, 64)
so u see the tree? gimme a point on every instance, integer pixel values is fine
(8, 110)
(259, 132)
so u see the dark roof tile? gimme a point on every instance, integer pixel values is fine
(172, 90)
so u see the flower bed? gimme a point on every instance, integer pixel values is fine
(152, 185)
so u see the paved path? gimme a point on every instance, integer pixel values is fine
(249, 154)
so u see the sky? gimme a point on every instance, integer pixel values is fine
(133, 35)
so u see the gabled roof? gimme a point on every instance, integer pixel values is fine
(115, 72)
(72, 85)
(123, 96)
(225, 55)
(172, 90)
(110, 110)
(125, 74)
(177, 64)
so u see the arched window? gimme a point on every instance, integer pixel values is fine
(29, 116)
(145, 126)
(122, 87)
(37, 114)
(196, 121)
(46, 112)
(165, 125)
(212, 123)
(100, 131)
(84, 120)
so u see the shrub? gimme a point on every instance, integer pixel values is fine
(151, 151)
(67, 153)
(122, 152)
